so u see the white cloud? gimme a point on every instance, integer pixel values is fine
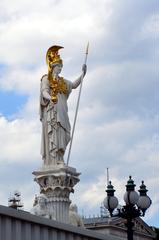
(20, 140)
(95, 193)
(22, 81)
(151, 26)
(35, 29)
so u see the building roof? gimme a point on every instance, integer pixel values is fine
(97, 223)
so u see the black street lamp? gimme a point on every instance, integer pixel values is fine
(135, 206)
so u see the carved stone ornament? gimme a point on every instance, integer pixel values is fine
(57, 184)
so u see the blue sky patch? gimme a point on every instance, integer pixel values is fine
(11, 102)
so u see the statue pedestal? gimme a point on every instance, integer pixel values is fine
(56, 183)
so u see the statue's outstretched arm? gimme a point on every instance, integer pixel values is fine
(77, 82)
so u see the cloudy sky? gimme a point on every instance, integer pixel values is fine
(118, 120)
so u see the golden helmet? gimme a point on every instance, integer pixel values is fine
(52, 56)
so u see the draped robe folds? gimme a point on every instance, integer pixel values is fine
(55, 124)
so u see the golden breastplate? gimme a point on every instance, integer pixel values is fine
(57, 86)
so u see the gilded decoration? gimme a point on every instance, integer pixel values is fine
(57, 86)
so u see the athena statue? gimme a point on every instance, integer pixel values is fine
(54, 92)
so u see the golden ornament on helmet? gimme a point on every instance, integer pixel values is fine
(52, 56)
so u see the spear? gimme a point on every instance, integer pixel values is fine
(78, 100)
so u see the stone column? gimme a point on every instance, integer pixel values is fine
(56, 184)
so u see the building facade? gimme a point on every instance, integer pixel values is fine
(116, 227)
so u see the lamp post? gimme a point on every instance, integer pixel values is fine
(135, 204)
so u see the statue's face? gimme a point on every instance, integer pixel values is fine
(57, 69)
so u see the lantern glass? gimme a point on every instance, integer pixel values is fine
(110, 202)
(144, 202)
(131, 197)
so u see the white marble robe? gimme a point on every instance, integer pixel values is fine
(55, 124)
